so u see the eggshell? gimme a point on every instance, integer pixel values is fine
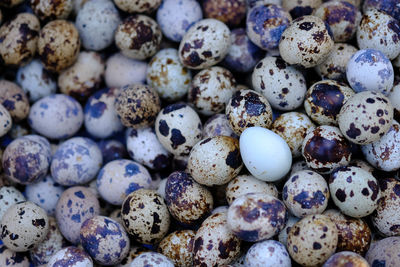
(73, 256)
(50, 10)
(121, 71)
(12, 258)
(385, 252)
(140, 6)
(216, 125)
(151, 259)
(297, 9)
(112, 149)
(13, 98)
(5, 121)
(342, 259)
(9, 195)
(133, 253)
(178, 247)
(283, 234)
(230, 12)
(267, 253)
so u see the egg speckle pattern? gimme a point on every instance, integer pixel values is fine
(5, 121)
(13, 98)
(152, 259)
(12, 258)
(268, 253)
(384, 251)
(178, 247)
(71, 257)
(9, 195)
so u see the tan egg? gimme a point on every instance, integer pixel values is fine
(300, 8)
(51, 10)
(312, 240)
(231, 12)
(178, 247)
(5, 121)
(221, 155)
(58, 45)
(139, 6)
(84, 77)
(14, 99)
(346, 258)
(19, 39)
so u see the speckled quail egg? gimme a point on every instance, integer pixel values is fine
(121, 71)
(167, 75)
(140, 6)
(305, 193)
(384, 252)
(205, 44)
(152, 259)
(354, 191)
(307, 42)
(216, 125)
(14, 99)
(253, 3)
(299, 165)
(24, 225)
(265, 25)
(248, 108)
(214, 243)
(100, 117)
(284, 86)
(137, 105)
(82, 78)
(312, 240)
(9, 195)
(51, 10)
(210, 89)
(112, 149)
(371, 70)
(283, 234)
(26, 160)
(145, 216)
(325, 148)
(12, 258)
(230, 12)
(293, 128)
(71, 257)
(394, 97)
(389, 6)
(76, 161)
(133, 253)
(178, 247)
(96, 23)
(256, 216)
(324, 99)
(244, 184)
(362, 164)
(5, 121)
(58, 45)
(346, 258)
(138, 37)
(365, 117)
(75, 205)
(267, 253)
(178, 128)
(300, 8)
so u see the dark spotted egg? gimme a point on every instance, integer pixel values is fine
(346, 258)
(9, 258)
(388, 6)
(267, 253)
(14, 99)
(385, 251)
(5, 121)
(49, 10)
(231, 12)
(139, 6)
(71, 257)
(112, 149)
(9, 195)
(300, 8)
(133, 253)
(178, 247)
(152, 259)
(283, 234)
(217, 125)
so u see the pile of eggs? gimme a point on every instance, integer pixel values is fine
(199, 133)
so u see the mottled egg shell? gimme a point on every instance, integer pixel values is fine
(9, 195)
(133, 253)
(307, 42)
(210, 89)
(112, 149)
(121, 71)
(205, 44)
(248, 108)
(394, 97)
(118, 178)
(293, 128)
(71, 257)
(370, 70)
(244, 184)
(284, 86)
(75, 205)
(105, 240)
(12, 258)
(137, 105)
(312, 240)
(56, 116)
(76, 161)
(385, 251)
(305, 193)
(178, 247)
(14, 99)
(96, 22)
(265, 25)
(58, 45)
(231, 12)
(24, 225)
(152, 259)
(300, 8)
(300, 165)
(187, 201)
(253, 3)
(324, 99)
(267, 253)
(140, 6)
(346, 258)
(214, 243)
(26, 160)
(138, 37)
(5, 121)
(388, 6)
(354, 191)
(217, 125)
(145, 216)
(325, 148)
(256, 216)
(365, 117)
(51, 10)
(283, 234)
(178, 128)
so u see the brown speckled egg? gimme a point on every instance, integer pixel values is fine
(231, 12)
(305, 193)
(187, 201)
(9, 258)
(24, 226)
(205, 44)
(217, 125)
(344, 259)
(14, 99)
(139, 6)
(5, 121)
(138, 37)
(256, 216)
(9, 195)
(214, 243)
(354, 191)
(312, 240)
(145, 216)
(384, 252)
(293, 128)
(244, 184)
(325, 149)
(137, 105)
(19, 39)
(133, 253)
(210, 89)
(324, 99)
(247, 108)
(221, 155)
(300, 7)
(178, 128)
(58, 45)
(51, 10)
(307, 42)
(178, 247)
(365, 117)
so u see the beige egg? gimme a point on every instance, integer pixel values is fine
(139, 6)
(178, 247)
(14, 99)
(5, 121)
(51, 10)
